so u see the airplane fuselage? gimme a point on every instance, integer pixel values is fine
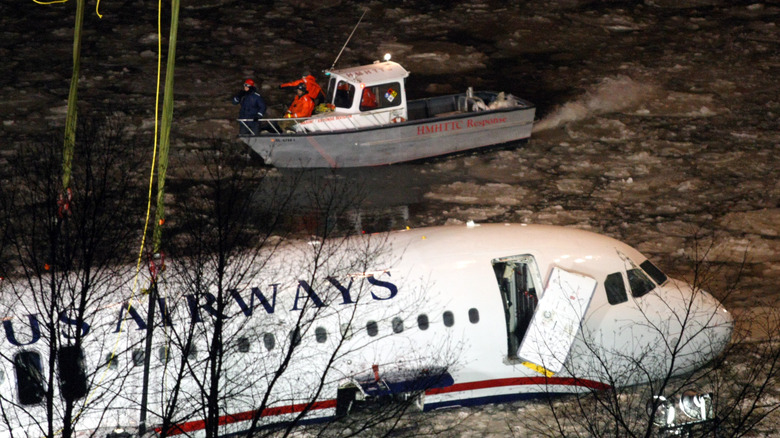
(453, 315)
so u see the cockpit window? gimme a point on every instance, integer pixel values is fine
(653, 271)
(639, 282)
(616, 288)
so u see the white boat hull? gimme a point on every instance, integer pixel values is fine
(397, 142)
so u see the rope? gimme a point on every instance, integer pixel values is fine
(97, 6)
(70, 128)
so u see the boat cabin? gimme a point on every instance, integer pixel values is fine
(363, 96)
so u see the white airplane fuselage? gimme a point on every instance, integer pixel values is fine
(456, 315)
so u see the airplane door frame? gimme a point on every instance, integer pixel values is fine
(520, 286)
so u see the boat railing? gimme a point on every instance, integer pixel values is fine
(347, 121)
(272, 124)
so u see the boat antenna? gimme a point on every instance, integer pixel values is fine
(348, 38)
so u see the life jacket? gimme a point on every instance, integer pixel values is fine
(302, 106)
(368, 100)
(313, 90)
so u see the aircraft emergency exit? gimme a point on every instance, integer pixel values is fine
(451, 315)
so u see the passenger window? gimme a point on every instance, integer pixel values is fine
(639, 283)
(243, 344)
(29, 377)
(346, 330)
(449, 319)
(320, 334)
(398, 325)
(163, 353)
(73, 373)
(191, 352)
(112, 361)
(653, 271)
(616, 288)
(473, 315)
(295, 336)
(138, 357)
(269, 341)
(372, 328)
(422, 321)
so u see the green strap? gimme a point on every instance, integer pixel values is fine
(70, 121)
(165, 127)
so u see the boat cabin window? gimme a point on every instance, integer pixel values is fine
(29, 377)
(616, 288)
(519, 284)
(653, 271)
(639, 282)
(368, 99)
(380, 96)
(341, 93)
(73, 373)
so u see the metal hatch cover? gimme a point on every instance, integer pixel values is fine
(556, 321)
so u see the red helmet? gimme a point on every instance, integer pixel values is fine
(249, 82)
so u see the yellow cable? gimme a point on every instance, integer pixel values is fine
(151, 183)
(97, 6)
(151, 186)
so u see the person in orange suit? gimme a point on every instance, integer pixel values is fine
(368, 100)
(302, 105)
(314, 91)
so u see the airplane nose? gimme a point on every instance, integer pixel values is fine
(715, 322)
(705, 325)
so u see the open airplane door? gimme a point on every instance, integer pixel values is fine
(556, 321)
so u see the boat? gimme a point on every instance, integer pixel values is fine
(366, 120)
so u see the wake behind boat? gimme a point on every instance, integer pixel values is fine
(369, 122)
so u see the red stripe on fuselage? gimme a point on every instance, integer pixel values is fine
(192, 426)
(516, 381)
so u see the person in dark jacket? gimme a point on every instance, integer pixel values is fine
(252, 108)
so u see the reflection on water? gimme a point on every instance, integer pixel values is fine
(363, 200)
